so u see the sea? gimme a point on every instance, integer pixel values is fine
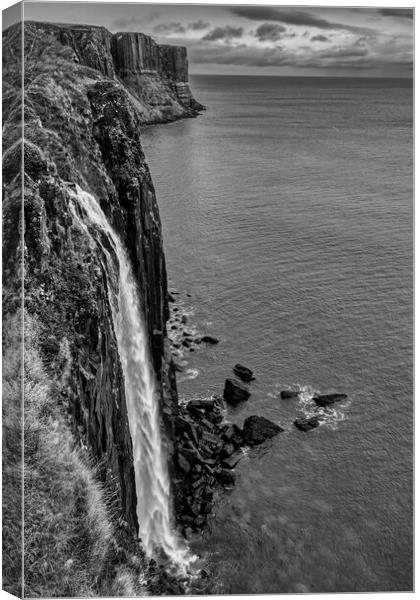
(287, 215)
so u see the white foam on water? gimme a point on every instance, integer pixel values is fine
(189, 374)
(150, 463)
(329, 416)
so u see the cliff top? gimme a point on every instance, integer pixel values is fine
(80, 27)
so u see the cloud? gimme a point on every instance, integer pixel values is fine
(134, 22)
(343, 52)
(269, 32)
(224, 33)
(319, 38)
(290, 17)
(165, 28)
(406, 13)
(341, 59)
(198, 25)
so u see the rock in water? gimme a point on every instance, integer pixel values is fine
(209, 339)
(226, 477)
(326, 399)
(258, 429)
(288, 394)
(235, 391)
(243, 373)
(307, 424)
(231, 461)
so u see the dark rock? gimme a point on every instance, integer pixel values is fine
(226, 477)
(183, 463)
(288, 394)
(243, 373)
(326, 399)
(200, 520)
(258, 429)
(206, 404)
(231, 461)
(211, 438)
(208, 424)
(171, 298)
(227, 450)
(198, 483)
(209, 339)
(192, 454)
(206, 507)
(306, 424)
(235, 391)
(184, 319)
(234, 434)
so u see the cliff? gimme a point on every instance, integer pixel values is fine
(87, 94)
(156, 76)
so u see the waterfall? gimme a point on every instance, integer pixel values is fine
(150, 466)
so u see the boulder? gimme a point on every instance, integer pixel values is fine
(258, 429)
(226, 477)
(306, 424)
(231, 461)
(235, 391)
(326, 399)
(183, 463)
(184, 319)
(209, 339)
(288, 394)
(205, 403)
(243, 373)
(234, 435)
(227, 450)
(171, 298)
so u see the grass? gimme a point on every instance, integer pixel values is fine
(72, 542)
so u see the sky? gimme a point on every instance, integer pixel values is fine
(260, 40)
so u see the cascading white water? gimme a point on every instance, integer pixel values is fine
(151, 472)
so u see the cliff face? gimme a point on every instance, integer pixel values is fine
(156, 76)
(82, 126)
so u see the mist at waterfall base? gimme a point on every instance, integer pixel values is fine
(150, 463)
(287, 215)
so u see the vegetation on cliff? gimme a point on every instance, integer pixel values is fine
(76, 542)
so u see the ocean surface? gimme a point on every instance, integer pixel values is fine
(287, 213)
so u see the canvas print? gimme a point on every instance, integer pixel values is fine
(207, 299)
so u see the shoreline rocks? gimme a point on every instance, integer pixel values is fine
(208, 451)
(306, 424)
(326, 399)
(209, 339)
(243, 373)
(289, 394)
(235, 391)
(259, 429)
